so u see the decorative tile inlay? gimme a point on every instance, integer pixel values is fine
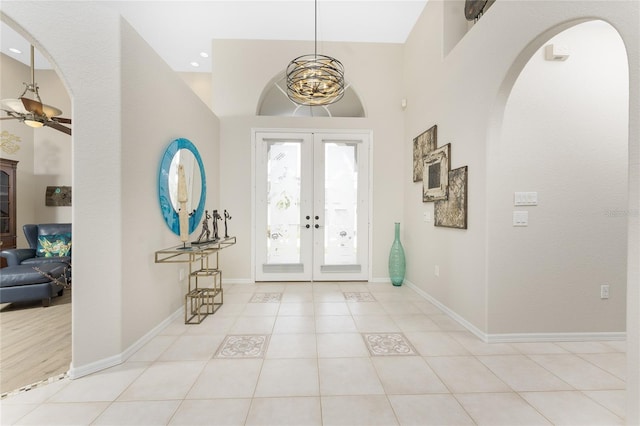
(35, 385)
(354, 296)
(266, 298)
(383, 344)
(243, 346)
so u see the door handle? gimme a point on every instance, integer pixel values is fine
(307, 226)
(317, 226)
(317, 217)
(308, 217)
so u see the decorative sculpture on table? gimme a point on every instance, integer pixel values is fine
(216, 218)
(205, 229)
(226, 216)
(182, 200)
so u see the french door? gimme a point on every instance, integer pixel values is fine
(312, 206)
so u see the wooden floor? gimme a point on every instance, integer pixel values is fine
(35, 342)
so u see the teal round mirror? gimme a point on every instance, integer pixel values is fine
(182, 152)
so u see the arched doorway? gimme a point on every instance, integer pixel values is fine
(561, 145)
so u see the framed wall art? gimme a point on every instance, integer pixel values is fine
(423, 144)
(58, 196)
(452, 212)
(435, 174)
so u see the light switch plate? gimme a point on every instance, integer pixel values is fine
(520, 218)
(525, 199)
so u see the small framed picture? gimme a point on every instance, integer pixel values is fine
(423, 144)
(435, 174)
(452, 213)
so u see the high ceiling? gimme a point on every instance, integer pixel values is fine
(180, 30)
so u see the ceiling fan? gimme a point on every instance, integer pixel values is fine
(33, 112)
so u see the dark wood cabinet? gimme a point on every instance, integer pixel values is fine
(8, 204)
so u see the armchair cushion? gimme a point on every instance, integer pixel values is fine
(55, 245)
(17, 256)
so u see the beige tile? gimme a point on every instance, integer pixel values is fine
(336, 296)
(192, 348)
(335, 324)
(446, 323)
(231, 309)
(522, 374)
(400, 308)
(215, 324)
(332, 308)
(427, 307)
(586, 347)
(297, 297)
(294, 324)
(375, 323)
(261, 309)
(236, 297)
(253, 325)
(227, 378)
(341, 345)
(407, 375)
(11, 413)
(414, 322)
(366, 308)
(365, 410)
(617, 345)
(614, 363)
(477, 347)
(152, 350)
(579, 373)
(164, 380)
(76, 413)
(466, 374)
(292, 346)
(288, 377)
(348, 376)
(571, 408)
(270, 288)
(538, 348)
(138, 413)
(614, 400)
(494, 409)
(296, 309)
(106, 385)
(212, 412)
(435, 343)
(429, 410)
(38, 395)
(296, 411)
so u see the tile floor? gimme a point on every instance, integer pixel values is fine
(336, 354)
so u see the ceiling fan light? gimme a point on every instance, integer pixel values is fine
(33, 123)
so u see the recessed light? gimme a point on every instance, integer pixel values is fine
(14, 50)
(195, 64)
(204, 54)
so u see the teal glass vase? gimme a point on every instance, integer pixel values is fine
(397, 262)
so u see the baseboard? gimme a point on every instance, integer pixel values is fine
(517, 337)
(554, 337)
(112, 361)
(451, 314)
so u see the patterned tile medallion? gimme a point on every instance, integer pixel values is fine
(384, 344)
(243, 346)
(266, 298)
(353, 296)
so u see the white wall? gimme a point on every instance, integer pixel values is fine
(121, 127)
(374, 70)
(564, 135)
(465, 94)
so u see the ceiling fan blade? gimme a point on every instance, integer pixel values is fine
(9, 118)
(58, 126)
(13, 105)
(32, 106)
(62, 120)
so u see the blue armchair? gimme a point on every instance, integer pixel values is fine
(41, 239)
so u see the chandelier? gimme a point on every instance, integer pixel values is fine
(315, 80)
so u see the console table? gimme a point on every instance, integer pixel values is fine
(201, 300)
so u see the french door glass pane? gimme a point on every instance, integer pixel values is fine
(340, 203)
(283, 202)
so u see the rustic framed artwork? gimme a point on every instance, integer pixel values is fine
(435, 174)
(423, 144)
(452, 213)
(58, 196)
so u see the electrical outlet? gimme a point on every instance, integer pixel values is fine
(436, 271)
(604, 291)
